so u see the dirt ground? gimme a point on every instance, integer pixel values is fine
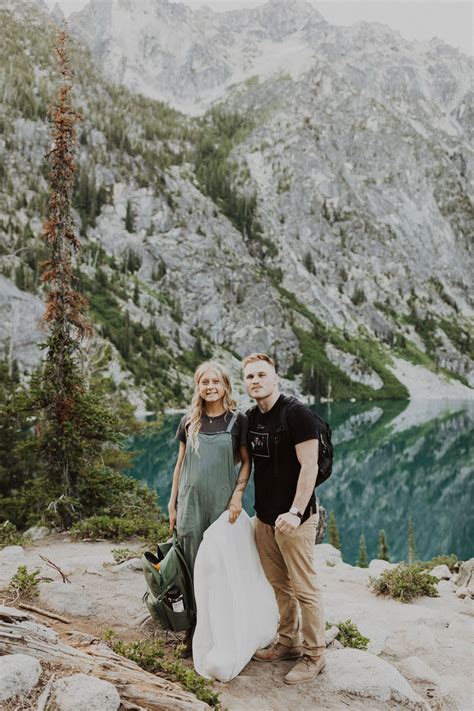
(437, 630)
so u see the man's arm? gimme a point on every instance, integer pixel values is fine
(307, 454)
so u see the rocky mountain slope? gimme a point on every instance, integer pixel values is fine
(323, 214)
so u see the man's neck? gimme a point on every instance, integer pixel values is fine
(266, 403)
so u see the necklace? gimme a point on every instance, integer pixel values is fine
(213, 417)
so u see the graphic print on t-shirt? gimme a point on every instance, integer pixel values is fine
(259, 444)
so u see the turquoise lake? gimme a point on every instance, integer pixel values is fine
(393, 460)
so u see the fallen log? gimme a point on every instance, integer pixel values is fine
(20, 634)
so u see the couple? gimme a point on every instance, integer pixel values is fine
(213, 437)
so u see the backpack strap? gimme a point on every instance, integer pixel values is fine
(232, 421)
(289, 401)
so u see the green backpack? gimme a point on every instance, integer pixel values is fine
(169, 596)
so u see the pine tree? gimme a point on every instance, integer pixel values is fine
(129, 217)
(136, 294)
(362, 561)
(60, 386)
(383, 553)
(412, 554)
(334, 539)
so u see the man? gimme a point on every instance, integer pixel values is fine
(286, 466)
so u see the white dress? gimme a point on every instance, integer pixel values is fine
(236, 607)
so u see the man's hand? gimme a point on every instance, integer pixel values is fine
(287, 522)
(234, 508)
(172, 515)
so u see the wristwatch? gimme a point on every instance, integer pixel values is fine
(296, 512)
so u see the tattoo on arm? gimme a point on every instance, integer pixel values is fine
(241, 484)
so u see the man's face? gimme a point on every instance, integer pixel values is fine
(260, 379)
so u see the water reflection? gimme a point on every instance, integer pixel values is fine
(393, 460)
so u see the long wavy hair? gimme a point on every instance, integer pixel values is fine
(198, 406)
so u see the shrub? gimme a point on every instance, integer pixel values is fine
(9, 535)
(120, 555)
(150, 655)
(349, 635)
(24, 584)
(405, 583)
(450, 560)
(120, 528)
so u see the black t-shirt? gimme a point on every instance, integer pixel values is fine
(276, 472)
(214, 425)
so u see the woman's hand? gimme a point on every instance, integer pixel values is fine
(234, 508)
(172, 515)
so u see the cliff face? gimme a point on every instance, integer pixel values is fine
(320, 211)
(189, 58)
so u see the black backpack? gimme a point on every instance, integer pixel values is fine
(325, 451)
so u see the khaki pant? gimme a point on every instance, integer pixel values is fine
(288, 562)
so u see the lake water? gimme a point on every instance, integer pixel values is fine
(393, 460)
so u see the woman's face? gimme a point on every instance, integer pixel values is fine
(210, 386)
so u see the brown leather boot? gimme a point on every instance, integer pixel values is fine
(307, 668)
(277, 652)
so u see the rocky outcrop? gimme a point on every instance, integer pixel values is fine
(465, 578)
(81, 692)
(19, 673)
(121, 678)
(361, 674)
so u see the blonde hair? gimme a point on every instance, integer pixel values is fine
(254, 357)
(197, 408)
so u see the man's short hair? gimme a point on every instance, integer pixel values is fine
(254, 357)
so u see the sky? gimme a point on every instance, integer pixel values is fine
(450, 20)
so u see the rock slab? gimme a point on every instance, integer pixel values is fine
(36, 533)
(81, 692)
(352, 671)
(416, 669)
(19, 673)
(441, 572)
(66, 598)
(465, 578)
(326, 552)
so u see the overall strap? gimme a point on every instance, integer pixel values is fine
(232, 421)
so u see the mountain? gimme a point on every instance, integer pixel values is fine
(323, 215)
(189, 58)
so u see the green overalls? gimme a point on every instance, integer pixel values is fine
(208, 480)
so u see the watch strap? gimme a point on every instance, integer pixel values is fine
(296, 512)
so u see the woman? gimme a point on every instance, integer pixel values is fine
(212, 440)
